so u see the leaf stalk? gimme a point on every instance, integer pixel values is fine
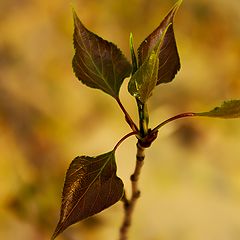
(127, 116)
(123, 139)
(181, 115)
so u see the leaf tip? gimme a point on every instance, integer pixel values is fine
(131, 37)
(177, 4)
(75, 16)
(53, 236)
(74, 13)
(131, 42)
(175, 8)
(73, 10)
(56, 232)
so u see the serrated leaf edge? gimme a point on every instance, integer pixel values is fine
(58, 229)
(110, 89)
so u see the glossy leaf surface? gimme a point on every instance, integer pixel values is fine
(169, 62)
(144, 80)
(91, 185)
(97, 62)
(229, 109)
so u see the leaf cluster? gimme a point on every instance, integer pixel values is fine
(91, 184)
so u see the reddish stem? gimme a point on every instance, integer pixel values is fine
(127, 116)
(182, 115)
(123, 139)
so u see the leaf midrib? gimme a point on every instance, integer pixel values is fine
(92, 60)
(101, 169)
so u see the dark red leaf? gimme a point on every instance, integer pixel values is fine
(91, 185)
(97, 62)
(169, 62)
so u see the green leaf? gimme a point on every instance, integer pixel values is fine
(133, 56)
(169, 62)
(229, 109)
(144, 80)
(97, 62)
(91, 185)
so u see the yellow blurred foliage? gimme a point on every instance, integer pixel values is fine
(191, 178)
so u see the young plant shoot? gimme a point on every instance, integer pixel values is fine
(91, 184)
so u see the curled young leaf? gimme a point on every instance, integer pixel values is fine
(144, 79)
(133, 55)
(169, 62)
(229, 109)
(91, 185)
(97, 62)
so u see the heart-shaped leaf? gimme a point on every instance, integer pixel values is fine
(91, 185)
(169, 62)
(97, 62)
(229, 109)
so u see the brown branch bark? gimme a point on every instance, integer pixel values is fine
(129, 205)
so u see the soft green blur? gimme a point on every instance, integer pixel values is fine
(191, 178)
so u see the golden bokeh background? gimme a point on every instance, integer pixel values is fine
(191, 179)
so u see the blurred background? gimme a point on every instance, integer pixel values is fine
(191, 178)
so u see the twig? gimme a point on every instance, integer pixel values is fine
(130, 204)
